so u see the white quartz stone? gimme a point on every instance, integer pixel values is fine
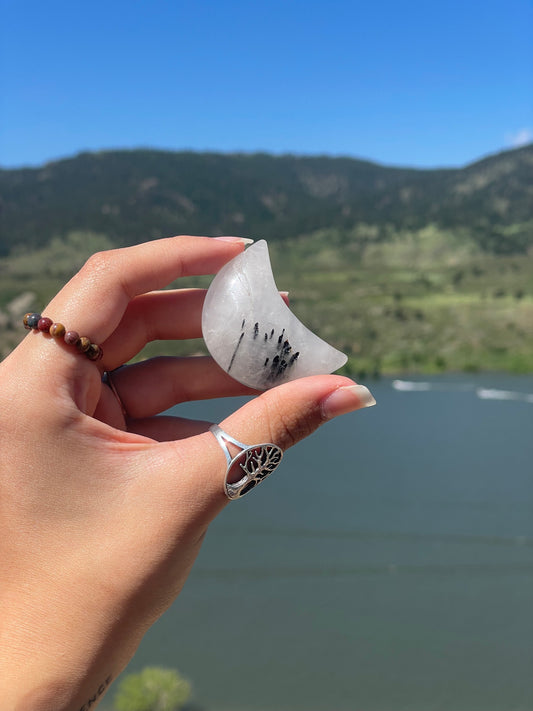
(251, 332)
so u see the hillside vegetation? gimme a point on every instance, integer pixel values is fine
(405, 270)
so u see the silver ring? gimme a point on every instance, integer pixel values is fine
(106, 379)
(253, 463)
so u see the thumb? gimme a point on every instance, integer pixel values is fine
(288, 413)
(285, 415)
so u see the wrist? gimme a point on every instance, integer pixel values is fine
(59, 697)
(58, 655)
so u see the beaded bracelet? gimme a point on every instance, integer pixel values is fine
(36, 322)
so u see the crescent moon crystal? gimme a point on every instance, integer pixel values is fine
(251, 332)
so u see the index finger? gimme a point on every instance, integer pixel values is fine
(94, 300)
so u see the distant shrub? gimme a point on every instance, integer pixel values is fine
(152, 689)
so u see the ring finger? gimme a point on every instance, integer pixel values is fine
(152, 386)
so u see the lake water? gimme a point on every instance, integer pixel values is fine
(386, 566)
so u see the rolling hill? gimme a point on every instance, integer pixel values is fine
(131, 196)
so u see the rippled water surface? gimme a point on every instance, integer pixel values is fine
(387, 565)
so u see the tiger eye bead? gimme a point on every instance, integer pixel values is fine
(94, 352)
(83, 344)
(44, 324)
(71, 338)
(57, 330)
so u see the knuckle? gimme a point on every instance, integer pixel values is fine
(100, 263)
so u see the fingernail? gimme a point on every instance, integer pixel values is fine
(243, 240)
(285, 294)
(346, 399)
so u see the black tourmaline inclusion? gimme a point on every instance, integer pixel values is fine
(275, 352)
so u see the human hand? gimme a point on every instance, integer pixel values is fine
(102, 514)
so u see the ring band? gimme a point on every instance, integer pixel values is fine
(253, 463)
(36, 322)
(107, 380)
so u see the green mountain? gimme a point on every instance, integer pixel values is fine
(404, 270)
(131, 196)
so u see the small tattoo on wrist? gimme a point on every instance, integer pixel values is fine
(97, 694)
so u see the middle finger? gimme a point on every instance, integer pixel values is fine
(158, 315)
(174, 314)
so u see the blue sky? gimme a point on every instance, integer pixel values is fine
(403, 83)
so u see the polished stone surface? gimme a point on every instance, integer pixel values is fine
(251, 332)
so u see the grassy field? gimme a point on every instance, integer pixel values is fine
(417, 302)
(414, 306)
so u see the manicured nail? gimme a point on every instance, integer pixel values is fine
(243, 240)
(284, 294)
(346, 399)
